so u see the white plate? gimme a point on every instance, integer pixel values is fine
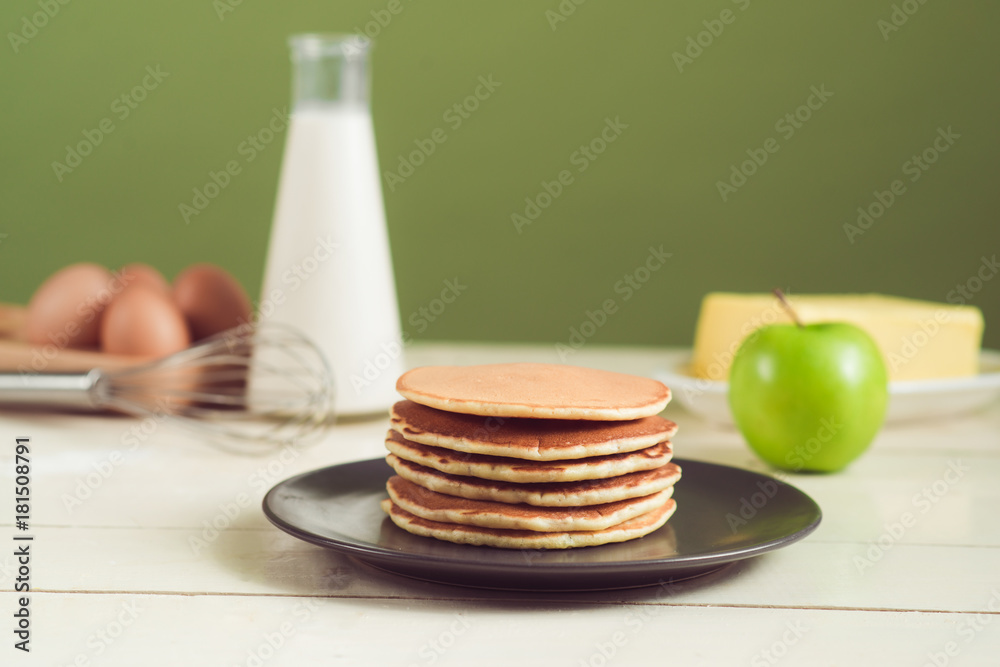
(908, 401)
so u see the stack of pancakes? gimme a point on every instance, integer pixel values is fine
(529, 456)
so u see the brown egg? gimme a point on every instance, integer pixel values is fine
(66, 309)
(137, 272)
(143, 321)
(211, 300)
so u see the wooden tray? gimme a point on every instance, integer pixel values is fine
(19, 356)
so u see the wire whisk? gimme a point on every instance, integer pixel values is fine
(251, 387)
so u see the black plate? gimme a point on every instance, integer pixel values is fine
(723, 515)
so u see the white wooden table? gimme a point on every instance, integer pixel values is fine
(128, 566)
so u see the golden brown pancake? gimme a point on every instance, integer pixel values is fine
(435, 506)
(528, 539)
(540, 391)
(520, 471)
(532, 439)
(552, 494)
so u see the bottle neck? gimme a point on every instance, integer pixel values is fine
(329, 70)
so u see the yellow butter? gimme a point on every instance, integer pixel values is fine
(919, 339)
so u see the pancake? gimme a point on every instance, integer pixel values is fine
(552, 494)
(505, 469)
(434, 506)
(531, 439)
(528, 539)
(539, 391)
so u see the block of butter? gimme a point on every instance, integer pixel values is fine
(920, 340)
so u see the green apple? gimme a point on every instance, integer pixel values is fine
(809, 398)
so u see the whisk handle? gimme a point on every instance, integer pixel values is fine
(66, 390)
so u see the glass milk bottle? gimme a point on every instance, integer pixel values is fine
(329, 271)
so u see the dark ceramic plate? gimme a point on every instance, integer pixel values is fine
(723, 515)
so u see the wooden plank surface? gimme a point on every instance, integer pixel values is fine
(117, 502)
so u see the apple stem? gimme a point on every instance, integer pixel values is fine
(788, 307)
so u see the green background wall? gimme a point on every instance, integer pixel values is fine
(656, 184)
